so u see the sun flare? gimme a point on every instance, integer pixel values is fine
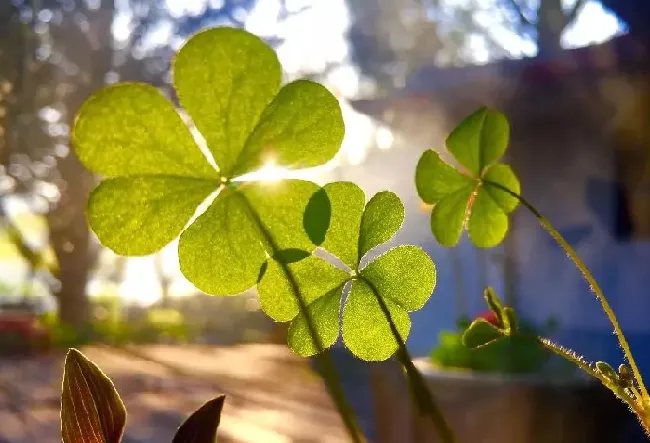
(270, 172)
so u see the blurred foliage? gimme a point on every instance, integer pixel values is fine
(392, 39)
(199, 318)
(541, 21)
(516, 354)
(116, 332)
(14, 243)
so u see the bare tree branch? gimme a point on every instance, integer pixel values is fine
(285, 13)
(522, 17)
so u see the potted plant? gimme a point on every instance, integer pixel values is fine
(509, 390)
(515, 390)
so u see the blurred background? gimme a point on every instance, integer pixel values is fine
(572, 76)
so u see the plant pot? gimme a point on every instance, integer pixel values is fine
(497, 408)
(493, 408)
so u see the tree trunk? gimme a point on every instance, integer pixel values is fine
(70, 236)
(163, 280)
(551, 21)
(70, 239)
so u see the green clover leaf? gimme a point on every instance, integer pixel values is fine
(481, 333)
(397, 282)
(156, 175)
(475, 199)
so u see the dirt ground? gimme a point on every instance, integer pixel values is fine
(271, 395)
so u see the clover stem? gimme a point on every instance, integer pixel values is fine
(574, 358)
(593, 284)
(635, 406)
(323, 358)
(419, 389)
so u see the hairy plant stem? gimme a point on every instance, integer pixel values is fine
(419, 390)
(593, 284)
(323, 358)
(619, 391)
(581, 363)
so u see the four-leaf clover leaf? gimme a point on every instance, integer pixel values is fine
(474, 198)
(395, 283)
(156, 175)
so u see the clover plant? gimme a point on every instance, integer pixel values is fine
(308, 250)
(462, 199)
(480, 196)
(515, 354)
(253, 234)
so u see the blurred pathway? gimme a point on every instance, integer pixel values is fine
(272, 395)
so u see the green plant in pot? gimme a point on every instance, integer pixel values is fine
(510, 388)
(515, 355)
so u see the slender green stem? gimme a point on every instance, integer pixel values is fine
(419, 389)
(593, 284)
(323, 358)
(570, 356)
(581, 363)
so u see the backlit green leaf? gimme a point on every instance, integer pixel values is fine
(479, 140)
(131, 129)
(228, 82)
(488, 223)
(140, 215)
(404, 275)
(502, 175)
(435, 179)
(480, 333)
(477, 143)
(366, 330)
(313, 276)
(221, 252)
(91, 408)
(347, 201)
(381, 219)
(280, 208)
(301, 128)
(324, 312)
(224, 79)
(449, 215)
(201, 426)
